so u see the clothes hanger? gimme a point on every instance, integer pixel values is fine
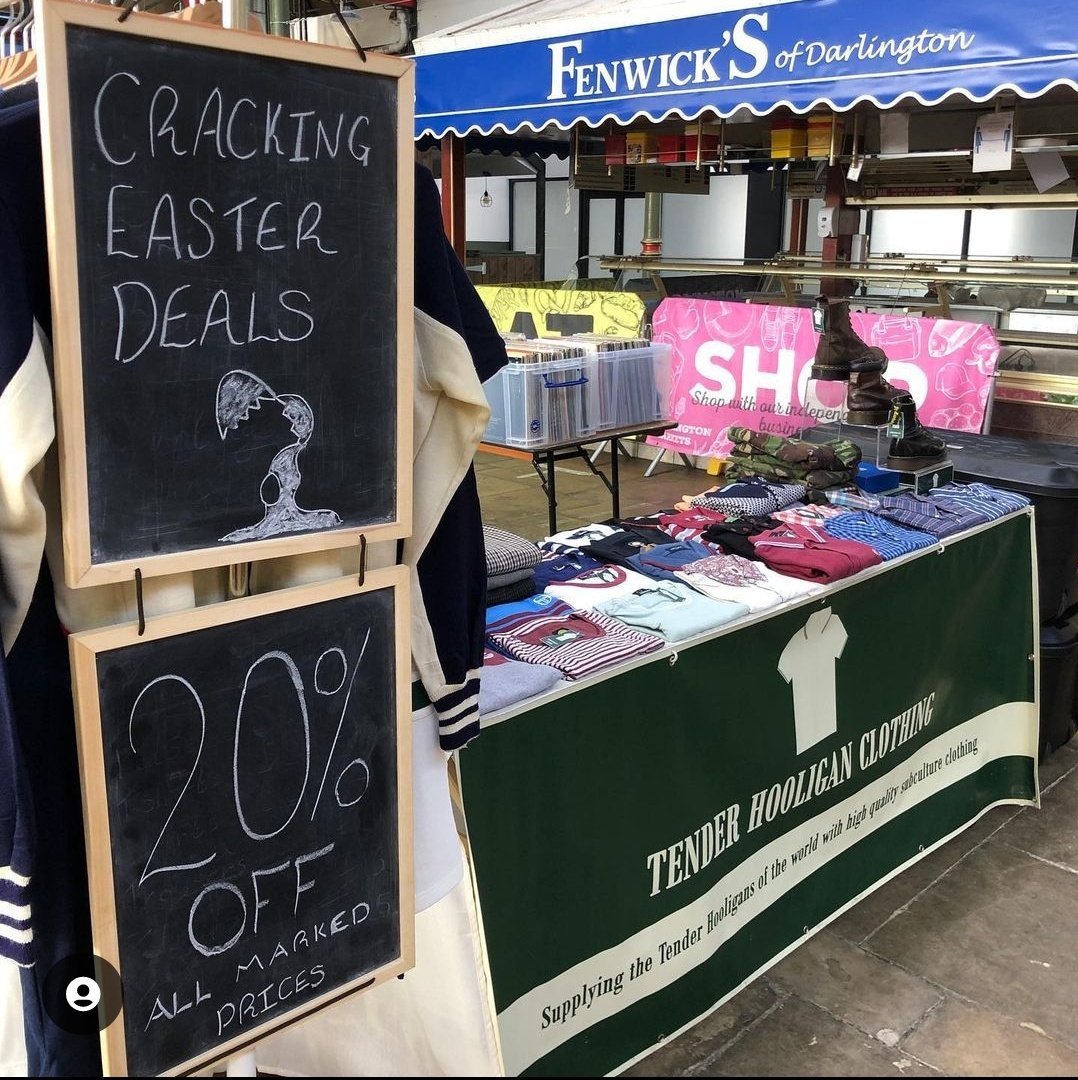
(26, 69)
(13, 60)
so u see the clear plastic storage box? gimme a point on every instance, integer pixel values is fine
(632, 386)
(544, 402)
(556, 401)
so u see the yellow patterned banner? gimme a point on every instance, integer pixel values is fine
(545, 310)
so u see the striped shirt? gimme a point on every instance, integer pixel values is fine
(816, 514)
(940, 517)
(852, 500)
(886, 538)
(577, 643)
(690, 524)
(988, 502)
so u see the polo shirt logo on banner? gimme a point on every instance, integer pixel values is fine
(808, 664)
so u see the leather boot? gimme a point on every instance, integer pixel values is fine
(869, 398)
(840, 351)
(918, 448)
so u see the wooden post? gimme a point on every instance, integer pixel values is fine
(453, 206)
(798, 226)
(835, 248)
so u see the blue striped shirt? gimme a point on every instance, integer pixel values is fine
(988, 502)
(939, 517)
(886, 538)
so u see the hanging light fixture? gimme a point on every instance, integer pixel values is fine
(486, 198)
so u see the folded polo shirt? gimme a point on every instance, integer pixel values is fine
(743, 581)
(575, 540)
(563, 567)
(663, 560)
(623, 544)
(690, 524)
(577, 643)
(592, 587)
(505, 682)
(814, 554)
(672, 609)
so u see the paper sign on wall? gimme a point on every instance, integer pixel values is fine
(993, 142)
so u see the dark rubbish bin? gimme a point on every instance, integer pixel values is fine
(1046, 473)
(1059, 683)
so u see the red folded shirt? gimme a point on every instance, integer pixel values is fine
(803, 551)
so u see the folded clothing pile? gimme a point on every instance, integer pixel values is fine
(750, 496)
(506, 682)
(816, 465)
(817, 554)
(735, 579)
(545, 630)
(511, 563)
(672, 609)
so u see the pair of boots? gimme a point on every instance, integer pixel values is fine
(842, 356)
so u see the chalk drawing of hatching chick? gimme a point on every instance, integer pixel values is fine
(238, 393)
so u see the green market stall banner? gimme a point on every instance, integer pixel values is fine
(647, 843)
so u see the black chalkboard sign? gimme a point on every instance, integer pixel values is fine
(248, 823)
(231, 257)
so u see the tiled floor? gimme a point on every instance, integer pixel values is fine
(964, 965)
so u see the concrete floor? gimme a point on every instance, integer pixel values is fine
(964, 965)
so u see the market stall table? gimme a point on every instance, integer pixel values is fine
(549, 453)
(647, 840)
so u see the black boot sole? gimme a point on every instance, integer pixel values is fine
(824, 373)
(914, 464)
(864, 418)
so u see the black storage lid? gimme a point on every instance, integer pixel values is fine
(1026, 465)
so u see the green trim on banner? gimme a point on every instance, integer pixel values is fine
(604, 820)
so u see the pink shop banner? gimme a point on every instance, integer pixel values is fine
(749, 364)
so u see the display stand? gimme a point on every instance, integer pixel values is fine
(920, 480)
(655, 461)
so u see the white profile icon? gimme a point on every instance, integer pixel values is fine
(83, 994)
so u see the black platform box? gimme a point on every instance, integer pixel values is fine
(1047, 473)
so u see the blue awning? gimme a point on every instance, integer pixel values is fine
(553, 62)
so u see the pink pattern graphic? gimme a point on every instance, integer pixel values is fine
(749, 364)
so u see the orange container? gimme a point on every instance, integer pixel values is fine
(819, 134)
(788, 138)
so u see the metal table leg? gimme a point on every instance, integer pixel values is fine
(551, 494)
(615, 493)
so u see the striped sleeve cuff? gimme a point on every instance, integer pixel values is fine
(16, 933)
(458, 713)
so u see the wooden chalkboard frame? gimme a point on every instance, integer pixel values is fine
(54, 18)
(84, 650)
